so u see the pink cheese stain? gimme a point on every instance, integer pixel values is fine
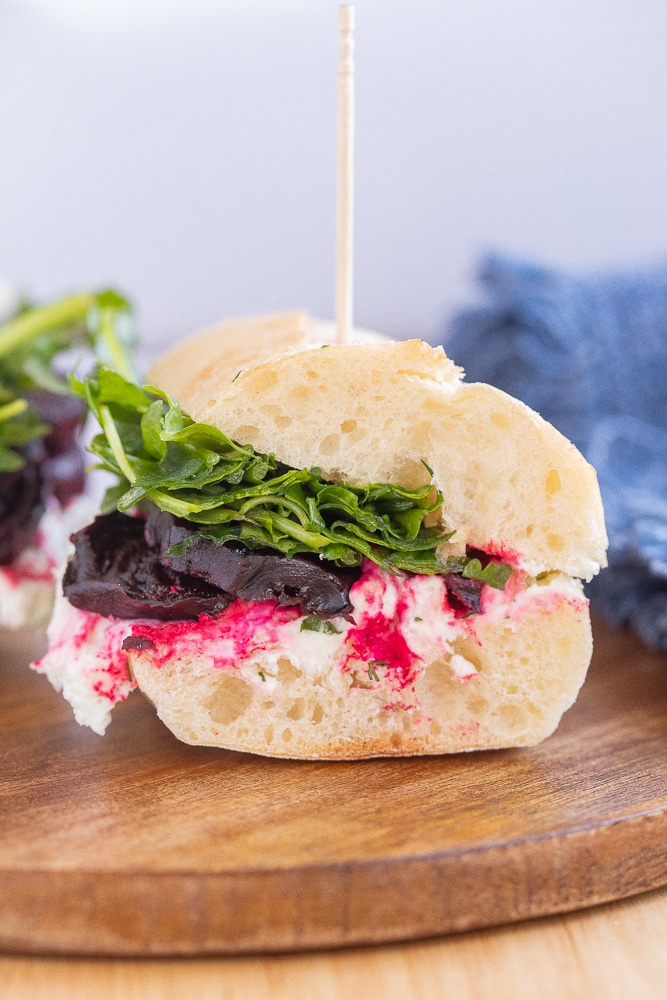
(497, 551)
(12, 577)
(470, 728)
(237, 633)
(380, 604)
(109, 675)
(384, 604)
(379, 639)
(24, 571)
(464, 678)
(112, 683)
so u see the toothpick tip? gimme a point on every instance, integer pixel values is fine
(346, 17)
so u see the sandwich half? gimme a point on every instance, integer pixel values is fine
(414, 587)
(43, 495)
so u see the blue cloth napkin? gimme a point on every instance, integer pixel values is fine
(590, 355)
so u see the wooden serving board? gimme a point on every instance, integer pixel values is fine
(135, 844)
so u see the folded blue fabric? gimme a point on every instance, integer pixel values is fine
(590, 355)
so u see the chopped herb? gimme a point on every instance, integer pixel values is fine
(372, 664)
(417, 619)
(261, 674)
(372, 672)
(237, 375)
(314, 624)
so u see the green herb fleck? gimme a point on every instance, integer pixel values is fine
(314, 624)
(372, 672)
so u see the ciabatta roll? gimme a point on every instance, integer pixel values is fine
(409, 669)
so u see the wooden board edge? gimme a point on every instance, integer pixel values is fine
(330, 906)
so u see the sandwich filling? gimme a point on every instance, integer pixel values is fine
(398, 624)
(223, 559)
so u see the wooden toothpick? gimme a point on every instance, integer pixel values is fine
(345, 199)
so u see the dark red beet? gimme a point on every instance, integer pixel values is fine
(115, 574)
(65, 474)
(465, 595)
(119, 569)
(65, 415)
(54, 466)
(20, 510)
(63, 464)
(254, 575)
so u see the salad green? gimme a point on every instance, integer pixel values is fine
(30, 343)
(231, 493)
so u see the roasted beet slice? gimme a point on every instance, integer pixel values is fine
(121, 569)
(65, 416)
(465, 595)
(114, 573)
(65, 475)
(20, 510)
(54, 466)
(62, 459)
(256, 575)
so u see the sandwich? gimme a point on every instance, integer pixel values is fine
(42, 461)
(320, 550)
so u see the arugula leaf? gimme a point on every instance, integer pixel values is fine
(495, 574)
(29, 345)
(231, 492)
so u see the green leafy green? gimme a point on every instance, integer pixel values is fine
(231, 492)
(495, 574)
(29, 345)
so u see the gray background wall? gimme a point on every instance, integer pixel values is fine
(185, 151)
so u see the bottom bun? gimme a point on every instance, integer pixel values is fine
(498, 679)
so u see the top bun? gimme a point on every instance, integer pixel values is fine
(398, 412)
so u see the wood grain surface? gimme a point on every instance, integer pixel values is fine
(612, 952)
(137, 844)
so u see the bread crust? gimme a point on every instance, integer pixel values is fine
(512, 485)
